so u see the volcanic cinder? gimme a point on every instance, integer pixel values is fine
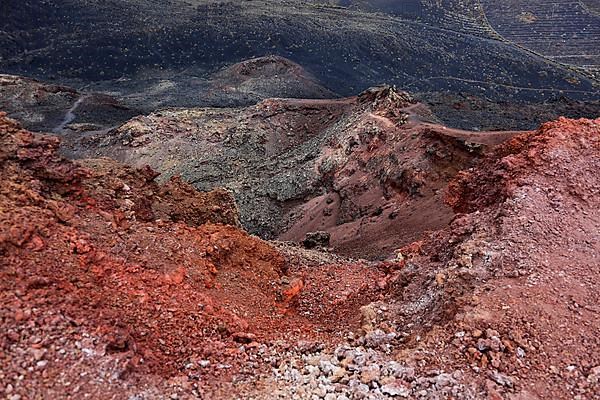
(320, 199)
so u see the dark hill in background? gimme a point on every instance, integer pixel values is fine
(565, 31)
(134, 47)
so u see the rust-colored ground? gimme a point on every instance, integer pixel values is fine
(113, 286)
(159, 275)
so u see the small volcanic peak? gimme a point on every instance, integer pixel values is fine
(265, 67)
(259, 78)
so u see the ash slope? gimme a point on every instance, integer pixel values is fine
(43, 106)
(564, 31)
(349, 49)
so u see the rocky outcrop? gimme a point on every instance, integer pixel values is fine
(500, 176)
(106, 273)
(501, 303)
(88, 241)
(363, 168)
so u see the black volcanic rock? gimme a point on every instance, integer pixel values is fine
(349, 50)
(45, 106)
(316, 239)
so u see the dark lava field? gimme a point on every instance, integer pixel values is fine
(161, 53)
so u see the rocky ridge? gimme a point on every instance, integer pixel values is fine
(501, 304)
(352, 167)
(106, 272)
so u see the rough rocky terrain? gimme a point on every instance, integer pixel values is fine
(231, 85)
(353, 167)
(440, 244)
(114, 288)
(105, 272)
(500, 305)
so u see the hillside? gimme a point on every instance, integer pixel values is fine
(112, 285)
(44, 106)
(349, 49)
(352, 166)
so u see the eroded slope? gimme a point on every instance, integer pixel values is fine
(115, 285)
(500, 305)
(369, 166)
(112, 283)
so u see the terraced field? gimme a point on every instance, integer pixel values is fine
(567, 31)
(592, 5)
(464, 16)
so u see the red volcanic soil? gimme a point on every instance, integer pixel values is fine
(503, 303)
(147, 278)
(115, 286)
(520, 267)
(390, 188)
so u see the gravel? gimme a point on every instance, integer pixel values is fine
(357, 371)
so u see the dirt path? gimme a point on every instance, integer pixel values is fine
(70, 115)
(479, 137)
(483, 137)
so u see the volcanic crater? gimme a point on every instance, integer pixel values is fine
(217, 200)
